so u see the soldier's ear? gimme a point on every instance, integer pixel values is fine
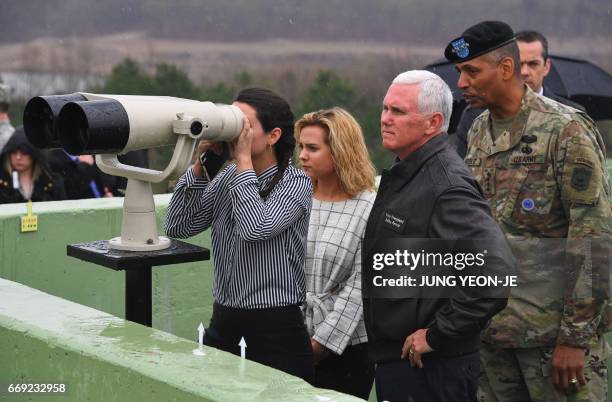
(507, 67)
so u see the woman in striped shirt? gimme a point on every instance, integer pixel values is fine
(257, 208)
(334, 155)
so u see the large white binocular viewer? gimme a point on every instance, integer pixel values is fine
(84, 123)
(111, 125)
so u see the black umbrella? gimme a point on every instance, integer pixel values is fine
(582, 82)
(575, 79)
(446, 70)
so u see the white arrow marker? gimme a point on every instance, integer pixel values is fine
(201, 334)
(243, 347)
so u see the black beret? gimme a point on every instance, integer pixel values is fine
(479, 39)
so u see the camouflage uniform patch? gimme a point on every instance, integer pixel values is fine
(581, 178)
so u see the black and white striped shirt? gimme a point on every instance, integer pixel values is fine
(258, 246)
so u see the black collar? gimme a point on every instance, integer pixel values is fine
(410, 165)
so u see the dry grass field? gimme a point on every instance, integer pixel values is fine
(291, 64)
(210, 62)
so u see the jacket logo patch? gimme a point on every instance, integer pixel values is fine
(394, 222)
(526, 159)
(581, 177)
(472, 161)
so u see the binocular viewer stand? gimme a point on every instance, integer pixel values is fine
(139, 223)
(138, 269)
(137, 250)
(140, 247)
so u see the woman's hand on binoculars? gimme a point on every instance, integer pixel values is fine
(241, 147)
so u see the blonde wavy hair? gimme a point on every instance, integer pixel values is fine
(347, 145)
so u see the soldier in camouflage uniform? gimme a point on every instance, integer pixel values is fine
(6, 129)
(542, 168)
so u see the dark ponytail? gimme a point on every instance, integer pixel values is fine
(272, 111)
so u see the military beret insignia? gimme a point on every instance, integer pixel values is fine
(461, 48)
(479, 39)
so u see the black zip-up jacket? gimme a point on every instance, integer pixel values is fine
(431, 194)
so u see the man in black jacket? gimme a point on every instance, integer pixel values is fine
(426, 347)
(535, 66)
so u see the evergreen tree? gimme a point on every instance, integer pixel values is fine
(169, 80)
(128, 78)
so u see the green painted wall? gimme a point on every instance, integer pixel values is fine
(47, 339)
(182, 293)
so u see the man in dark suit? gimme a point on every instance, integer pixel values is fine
(535, 65)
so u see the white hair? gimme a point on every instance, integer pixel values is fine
(434, 96)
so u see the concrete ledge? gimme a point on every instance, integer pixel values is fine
(44, 338)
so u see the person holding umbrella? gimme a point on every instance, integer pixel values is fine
(541, 165)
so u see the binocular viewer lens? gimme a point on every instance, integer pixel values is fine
(40, 118)
(78, 125)
(84, 123)
(92, 127)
